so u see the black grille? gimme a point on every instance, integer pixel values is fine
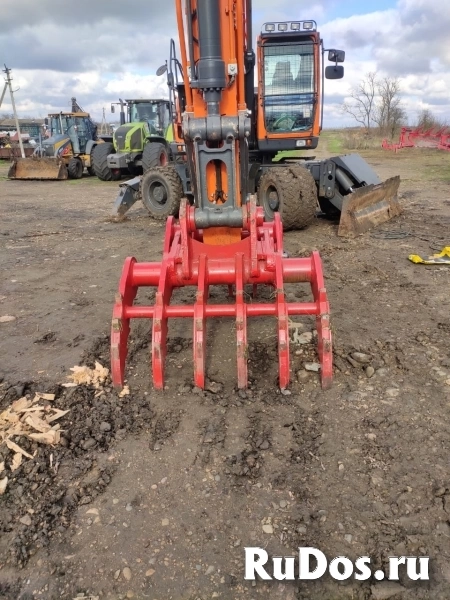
(288, 87)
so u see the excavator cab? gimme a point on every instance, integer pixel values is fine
(290, 86)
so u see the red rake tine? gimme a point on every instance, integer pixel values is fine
(241, 325)
(200, 323)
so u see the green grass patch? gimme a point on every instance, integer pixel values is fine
(333, 140)
(288, 154)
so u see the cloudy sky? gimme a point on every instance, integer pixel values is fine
(99, 50)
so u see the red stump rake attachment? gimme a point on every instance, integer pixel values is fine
(257, 260)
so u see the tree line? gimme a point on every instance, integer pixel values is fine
(375, 102)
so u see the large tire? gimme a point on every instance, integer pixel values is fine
(161, 192)
(75, 168)
(91, 169)
(291, 191)
(154, 155)
(100, 163)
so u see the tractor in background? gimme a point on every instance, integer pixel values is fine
(66, 152)
(139, 143)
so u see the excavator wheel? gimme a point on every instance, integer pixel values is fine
(291, 191)
(100, 164)
(161, 192)
(154, 155)
(75, 168)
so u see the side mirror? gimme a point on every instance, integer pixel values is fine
(46, 121)
(336, 56)
(113, 108)
(334, 72)
(162, 69)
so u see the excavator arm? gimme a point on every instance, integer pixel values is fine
(221, 237)
(216, 122)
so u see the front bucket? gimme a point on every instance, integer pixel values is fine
(38, 168)
(368, 207)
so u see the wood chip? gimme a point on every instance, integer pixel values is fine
(7, 416)
(37, 423)
(12, 446)
(7, 319)
(2, 466)
(83, 375)
(16, 461)
(21, 404)
(41, 396)
(58, 414)
(124, 392)
(49, 437)
(3, 484)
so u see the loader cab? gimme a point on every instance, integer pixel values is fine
(75, 126)
(156, 113)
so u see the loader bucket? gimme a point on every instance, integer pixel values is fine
(368, 207)
(38, 168)
(256, 260)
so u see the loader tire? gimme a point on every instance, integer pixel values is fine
(75, 168)
(161, 191)
(99, 161)
(291, 191)
(154, 155)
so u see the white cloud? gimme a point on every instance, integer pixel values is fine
(104, 50)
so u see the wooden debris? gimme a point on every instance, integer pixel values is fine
(37, 423)
(85, 376)
(124, 392)
(3, 484)
(49, 437)
(33, 419)
(41, 396)
(16, 461)
(13, 446)
(57, 415)
(7, 319)
(21, 404)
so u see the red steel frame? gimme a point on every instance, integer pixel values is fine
(409, 137)
(257, 260)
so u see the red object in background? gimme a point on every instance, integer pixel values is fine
(420, 138)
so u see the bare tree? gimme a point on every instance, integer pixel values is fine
(389, 113)
(427, 120)
(362, 104)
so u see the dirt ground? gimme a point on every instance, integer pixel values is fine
(155, 495)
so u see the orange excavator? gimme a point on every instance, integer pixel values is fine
(229, 134)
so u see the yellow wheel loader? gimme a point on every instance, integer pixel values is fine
(66, 152)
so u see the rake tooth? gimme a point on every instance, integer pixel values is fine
(159, 329)
(322, 321)
(325, 350)
(200, 323)
(282, 325)
(241, 324)
(120, 326)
